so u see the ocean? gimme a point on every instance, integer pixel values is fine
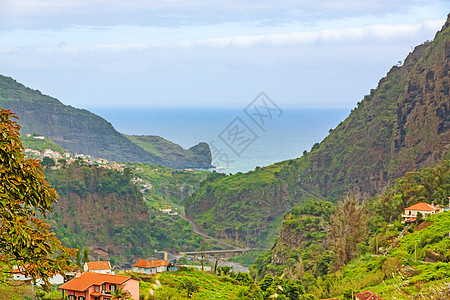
(240, 140)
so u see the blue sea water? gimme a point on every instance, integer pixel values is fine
(285, 135)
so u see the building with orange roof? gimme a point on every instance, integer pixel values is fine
(102, 267)
(95, 286)
(425, 209)
(367, 295)
(150, 267)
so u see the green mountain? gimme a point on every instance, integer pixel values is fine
(402, 125)
(197, 156)
(80, 131)
(392, 266)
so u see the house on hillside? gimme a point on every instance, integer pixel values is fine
(425, 209)
(19, 275)
(151, 267)
(95, 286)
(102, 267)
(367, 295)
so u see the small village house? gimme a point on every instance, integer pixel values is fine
(102, 267)
(150, 267)
(95, 286)
(410, 214)
(19, 275)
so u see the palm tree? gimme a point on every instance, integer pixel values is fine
(120, 294)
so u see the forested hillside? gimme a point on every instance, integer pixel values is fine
(103, 210)
(352, 246)
(401, 126)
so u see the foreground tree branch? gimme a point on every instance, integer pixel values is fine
(25, 198)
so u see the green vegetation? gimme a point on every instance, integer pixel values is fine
(431, 185)
(224, 285)
(176, 285)
(21, 292)
(100, 207)
(37, 144)
(167, 151)
(169, 187)
(103, 207)
(248, 258)
(309, 250)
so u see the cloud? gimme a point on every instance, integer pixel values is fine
(54, 13)
(322, 37)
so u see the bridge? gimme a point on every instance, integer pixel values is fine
(216, 253)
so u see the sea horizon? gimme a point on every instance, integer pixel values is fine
(285, 135)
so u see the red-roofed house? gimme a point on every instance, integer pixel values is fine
(424, 208)
(95, 286)
(367, 295)
(150, 267)
(102, 267)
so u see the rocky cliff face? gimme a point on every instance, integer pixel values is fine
(100, 209)
(401, 126)
(80, 131)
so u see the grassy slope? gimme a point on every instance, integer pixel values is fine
(41, 145)
(211, 286)
(399, 275)
(157, 145)
(170, 187)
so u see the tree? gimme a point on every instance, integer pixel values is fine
(347, 227)
(48, 162)
(120, 293)
(216, 263)
(190, 286)
(25, 198)
(78, 259)
(62, 162)
(86, 254)
(419, 217)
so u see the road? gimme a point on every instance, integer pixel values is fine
(194, 227)
(237, 267)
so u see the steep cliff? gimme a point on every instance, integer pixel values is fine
(80, 131)
(100, 209)
(402, 125)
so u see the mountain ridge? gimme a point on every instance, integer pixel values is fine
(80, 131)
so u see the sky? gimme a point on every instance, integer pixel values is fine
(198, 53)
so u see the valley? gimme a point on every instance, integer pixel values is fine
(365, 211)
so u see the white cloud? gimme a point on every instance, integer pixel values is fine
(58, 13)
(98, 40)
